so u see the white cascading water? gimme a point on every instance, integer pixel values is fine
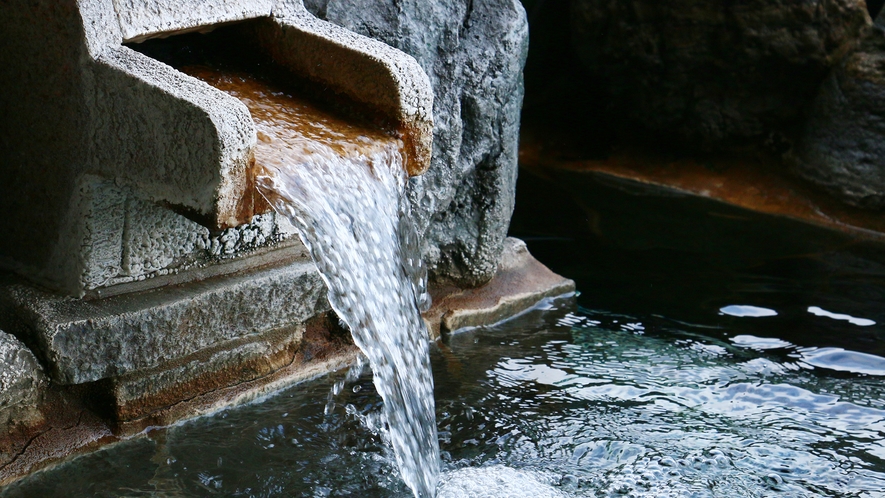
(342, 187)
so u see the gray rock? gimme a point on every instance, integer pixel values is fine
(84, 341)
(22, 383)
(473, 52)
(713, 72)
(843, 145)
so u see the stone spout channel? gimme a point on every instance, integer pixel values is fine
(144, 279)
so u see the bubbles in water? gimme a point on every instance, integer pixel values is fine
(497, 481)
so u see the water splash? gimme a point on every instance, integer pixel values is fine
(342, 187)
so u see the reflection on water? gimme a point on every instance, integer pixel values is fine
(564, 401)
(639, 387)
(860, 322)
(759, 343)
(844, 361)
(745, 310)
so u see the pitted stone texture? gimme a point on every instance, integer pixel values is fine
(83, 341)
(712, 72)
(264, 230)
(142, 18)
(122, 238)
(22, 383)
(175, 138)
(843, 147)
(473, 52)
(95, 228)
(158, 240)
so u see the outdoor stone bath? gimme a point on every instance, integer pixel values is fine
(280, 248)
(145, 279)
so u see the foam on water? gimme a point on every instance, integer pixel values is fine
(495, 481)
(342, 187)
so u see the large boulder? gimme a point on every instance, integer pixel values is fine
(714, 72)
(843, 145)
(474, 52)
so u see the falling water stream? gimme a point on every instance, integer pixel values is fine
(341, 186)
(712, 352)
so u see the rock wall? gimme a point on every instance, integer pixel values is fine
(708, 72)
(473, 51)
(802, 81)
(842, 147)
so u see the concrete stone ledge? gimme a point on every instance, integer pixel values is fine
(232, 374)
(76, 419)
(86, 341)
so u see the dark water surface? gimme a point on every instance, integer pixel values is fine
(711, 352)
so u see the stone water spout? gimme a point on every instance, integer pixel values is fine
(142, 279)
(98, 115)
(137, 258)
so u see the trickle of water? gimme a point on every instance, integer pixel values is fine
(342, 187)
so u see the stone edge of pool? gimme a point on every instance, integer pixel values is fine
(49, 422)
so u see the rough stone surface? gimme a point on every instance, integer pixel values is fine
(92, 111)
(66, 428)
(84, 341)
(843, 147)
(120, 238)
(205, 380)
(520, 283)
(178, 139)
(139, 393)
(140, 18)
(66, 84)
(473, 52)
(22, 383)
(366, 71)
(42, 125)
(714, 72)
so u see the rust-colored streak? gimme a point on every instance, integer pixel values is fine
(284, 121)
(757, 182)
